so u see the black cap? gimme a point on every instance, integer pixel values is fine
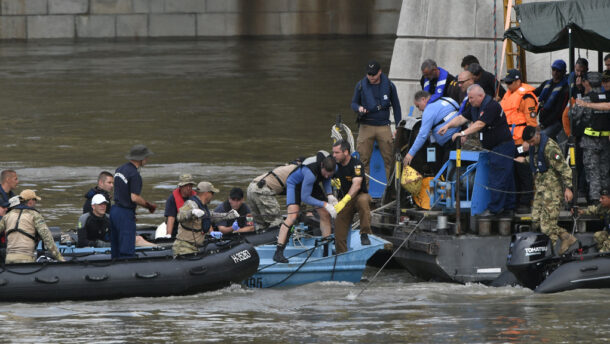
(236, 193)
(605, 191)
(372, 68)
(594, 78)
(512, 75)
(528, 133)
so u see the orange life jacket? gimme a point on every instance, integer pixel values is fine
(510, 104)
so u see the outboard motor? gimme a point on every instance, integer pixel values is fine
(529, 258)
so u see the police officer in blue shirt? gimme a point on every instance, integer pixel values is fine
(435, 115)
(490, 123)
(127, 190)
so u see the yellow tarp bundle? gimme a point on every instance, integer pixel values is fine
(417, 186)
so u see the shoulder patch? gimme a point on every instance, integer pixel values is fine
(358, 170)
(557, 157)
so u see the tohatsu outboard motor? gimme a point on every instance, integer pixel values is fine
(529, 258)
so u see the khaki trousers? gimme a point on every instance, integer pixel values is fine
(361, 204)
(367, 134)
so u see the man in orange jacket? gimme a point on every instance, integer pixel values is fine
(520, 107)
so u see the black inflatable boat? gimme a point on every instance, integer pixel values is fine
(533, 263)
(151, 273)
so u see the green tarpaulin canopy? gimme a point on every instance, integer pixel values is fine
(543, 26)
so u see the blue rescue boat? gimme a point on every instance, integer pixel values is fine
(311, 259)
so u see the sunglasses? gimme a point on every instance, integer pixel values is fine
(462, 81)
(371, 74)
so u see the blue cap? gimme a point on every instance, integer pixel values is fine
(559, 64)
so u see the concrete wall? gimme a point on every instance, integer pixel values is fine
(461, 28)
(40, 19)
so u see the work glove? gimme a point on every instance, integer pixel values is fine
(331, 210)
(233, 214)
(332, 200)
(339, 206)
(151, 207)
(216, 235)
(198, 213)
(235, 226)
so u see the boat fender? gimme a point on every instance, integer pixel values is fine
(199, 270)
(52, 280)
(96, 278)
(147, 276)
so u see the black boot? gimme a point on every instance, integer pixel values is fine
(364, 239)
(279, 254)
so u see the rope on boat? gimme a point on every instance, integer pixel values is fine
(394, 253)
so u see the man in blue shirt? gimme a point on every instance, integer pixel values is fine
(127, 190)
(372, 99)
(434, 116)
(490, 123)
(303, 184)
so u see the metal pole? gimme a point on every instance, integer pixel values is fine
(600, 61)
(572, 139)
(458, 164)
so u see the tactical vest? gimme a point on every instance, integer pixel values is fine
(600, 119)
(276, 178)
(21, 235)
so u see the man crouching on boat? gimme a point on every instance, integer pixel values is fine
(24, 227)
(602, 239)
(304, 183)
(195, 220)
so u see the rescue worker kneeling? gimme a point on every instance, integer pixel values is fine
(195, 220)
(24, 228)
(602, 239)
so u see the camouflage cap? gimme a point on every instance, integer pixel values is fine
(206, 187)
(186, 179)
(606, 75)
(28, 194)
(605, 191)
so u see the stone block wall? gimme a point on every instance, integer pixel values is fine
(448, 30)
(41, 19)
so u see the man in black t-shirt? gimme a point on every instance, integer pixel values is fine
(490, 123)
(355, 197)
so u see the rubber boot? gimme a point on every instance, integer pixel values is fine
(279, 254)
(567, 240)
(364, 239)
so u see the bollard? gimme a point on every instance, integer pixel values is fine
(484, 226)
(504, 226)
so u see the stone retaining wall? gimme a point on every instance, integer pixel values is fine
(41, 19)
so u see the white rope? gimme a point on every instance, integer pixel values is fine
(375, 180)
(335, 134)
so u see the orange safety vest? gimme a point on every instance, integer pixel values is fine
(510, 104)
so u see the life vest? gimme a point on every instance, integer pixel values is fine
(178, 197)
(368, 99)
(547, 96)
(441, 82)
(314, 164)
(600, 120)
(463, 105)
(538, 164)
(517, 121)
(206, 220)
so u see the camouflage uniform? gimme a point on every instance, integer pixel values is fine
(550, 187)
(601, 237)
(261, 195)
(264, 205)
(20, 248)
(596, 160)
(188, 241)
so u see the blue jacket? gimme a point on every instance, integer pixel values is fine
(440, 85)
(377, 99)
(435, 115)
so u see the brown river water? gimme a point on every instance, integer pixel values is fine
(225, 111)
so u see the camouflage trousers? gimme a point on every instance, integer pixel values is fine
(602, 240)
(264, 206)
(545, 212)
(596, 161)
(182, 247)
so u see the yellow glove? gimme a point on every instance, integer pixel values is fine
(339, 206)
